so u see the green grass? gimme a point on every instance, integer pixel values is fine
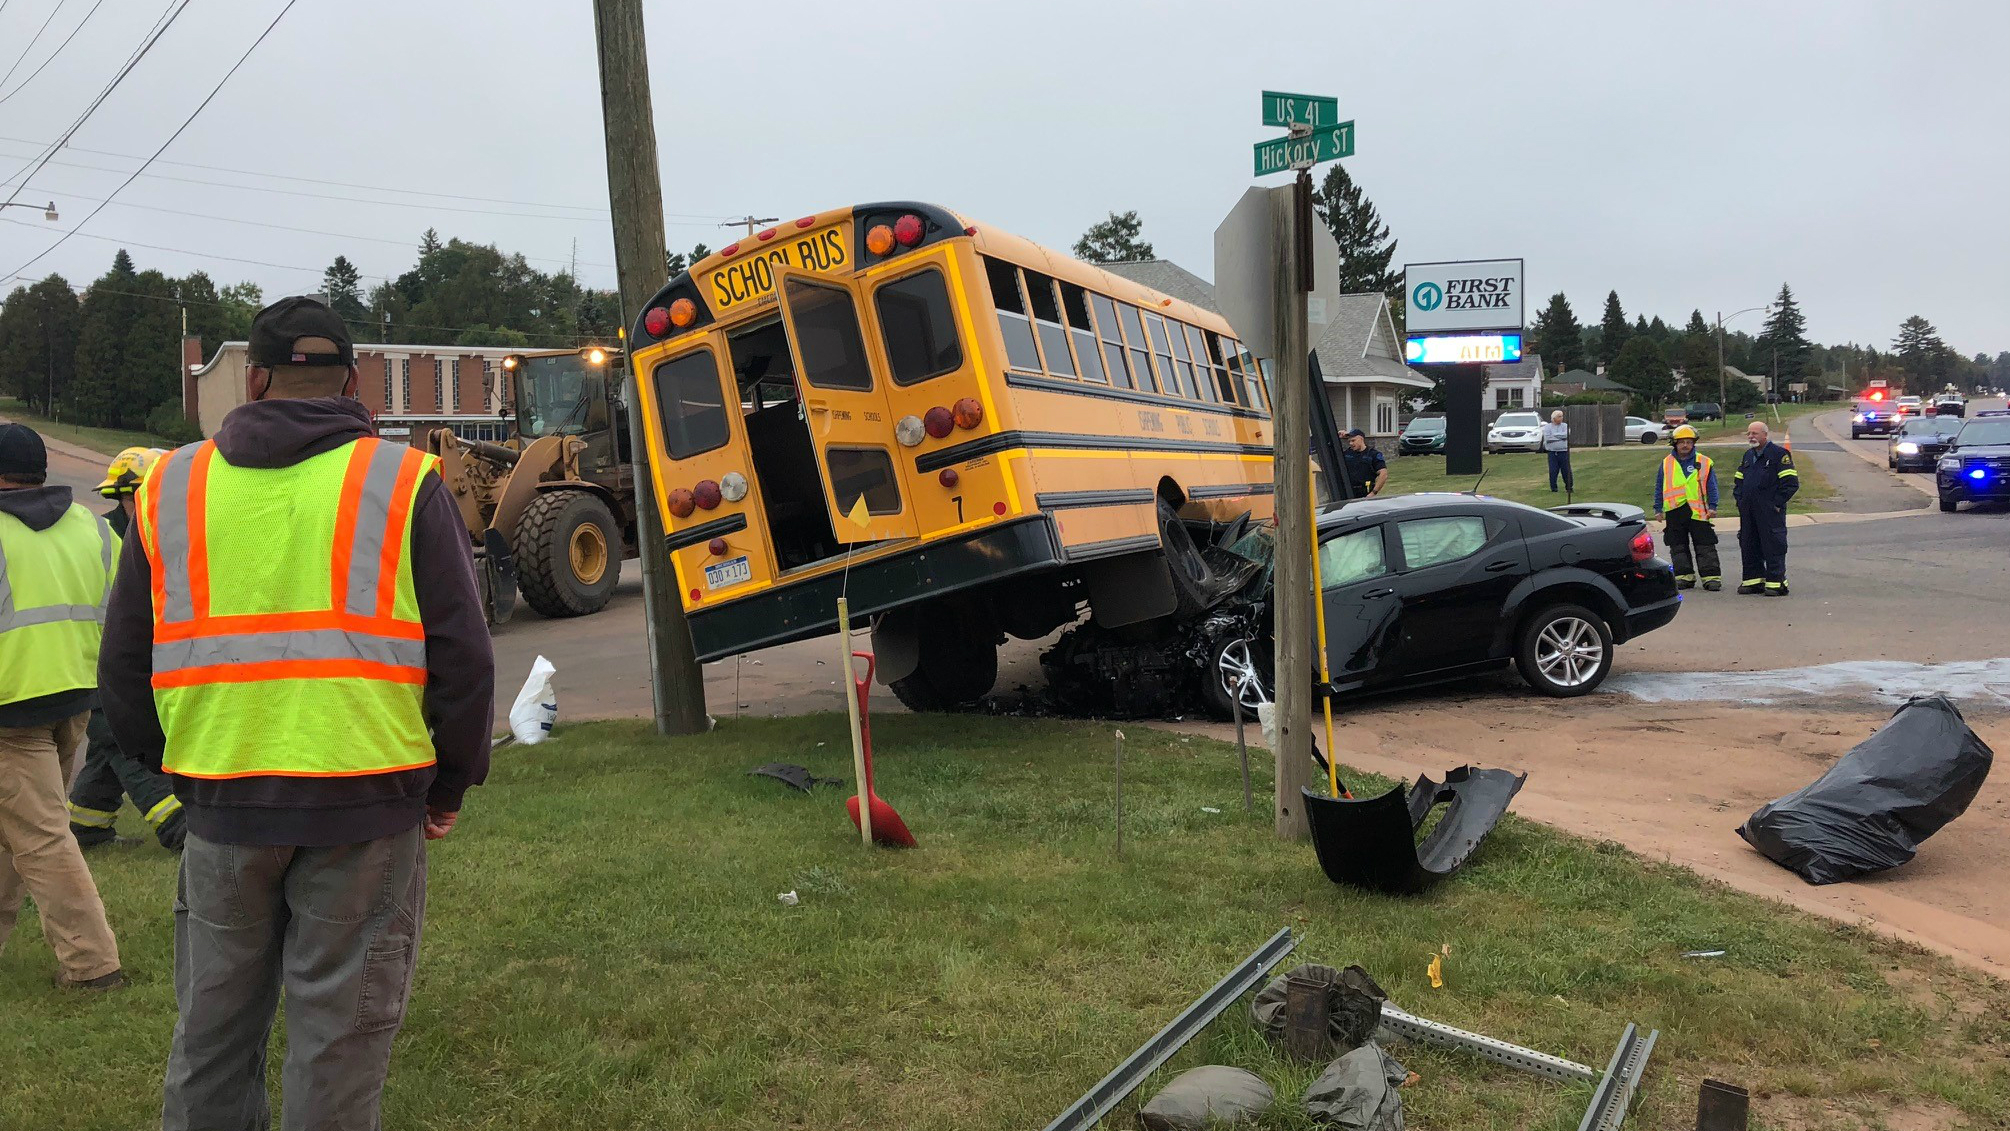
(1606, 475)
(1733, 427)
(107, 441)
(604, 949)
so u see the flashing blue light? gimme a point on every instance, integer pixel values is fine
(1978, 473)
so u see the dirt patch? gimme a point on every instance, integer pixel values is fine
(1673, 782)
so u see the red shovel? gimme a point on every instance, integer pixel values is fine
(887, 827)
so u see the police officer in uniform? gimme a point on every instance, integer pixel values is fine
(1766, 479)
(1367, 469)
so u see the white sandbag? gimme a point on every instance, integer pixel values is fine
(536, 707)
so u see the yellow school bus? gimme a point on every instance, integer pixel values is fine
(966, 433)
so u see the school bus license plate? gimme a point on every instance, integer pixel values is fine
(728, 573)
(751, 277)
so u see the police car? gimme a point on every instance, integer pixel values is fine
(1977, 468)
(1875, 416)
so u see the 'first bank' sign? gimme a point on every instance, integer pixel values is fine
(1482, 294)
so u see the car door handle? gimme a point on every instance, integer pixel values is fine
(1496, 567)
(1373, 593)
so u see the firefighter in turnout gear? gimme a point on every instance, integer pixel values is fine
(109, 774)
(1685, 492)
(1766, 479)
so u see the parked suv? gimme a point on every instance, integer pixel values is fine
(1516, 432)
(1706, 411)
(1425, 436)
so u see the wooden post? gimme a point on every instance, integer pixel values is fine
(1292, 435)
(635, 196)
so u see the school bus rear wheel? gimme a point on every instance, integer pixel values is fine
(567, 564)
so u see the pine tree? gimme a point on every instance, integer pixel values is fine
(1921, 354)
(1366, 248)
(1783, 345)
(1642, 368)
(1557, 336)
(1696, 353)
(673, 262)
(343, 285)
(1114, 240)
(1615, 330)
(698, 251)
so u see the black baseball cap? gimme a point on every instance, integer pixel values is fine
(277, 328)
(22, 451)
(1353, 432)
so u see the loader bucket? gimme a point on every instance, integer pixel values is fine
(1372, 842)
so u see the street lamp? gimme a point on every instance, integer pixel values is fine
(1722, 398)
(48, 210)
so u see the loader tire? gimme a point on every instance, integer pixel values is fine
(568, 553)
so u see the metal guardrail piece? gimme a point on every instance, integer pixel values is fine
(1398, 1023)
(1622, 1078)
(1125, 1078)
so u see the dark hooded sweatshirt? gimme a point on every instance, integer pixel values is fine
(460, 665)
(38, 508)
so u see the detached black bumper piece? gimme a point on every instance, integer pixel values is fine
(1372, 843)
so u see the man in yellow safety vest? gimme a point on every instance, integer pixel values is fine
(295, 638)
(1685, 491)
(55, 569)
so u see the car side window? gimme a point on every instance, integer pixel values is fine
(1435, 541)
(1354, 556)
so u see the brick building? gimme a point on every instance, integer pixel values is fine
(410, 390)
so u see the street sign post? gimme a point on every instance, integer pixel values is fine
(1302, 151)
(1309, 110)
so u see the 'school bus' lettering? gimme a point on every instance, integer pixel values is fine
(753, 278)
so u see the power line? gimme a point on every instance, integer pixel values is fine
(36, 38)
(52, 54)
(161, 24)
(316, 271)
(186, 122)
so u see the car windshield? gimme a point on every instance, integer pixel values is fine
(1425, 426)
(560, 393)
(1517, 420)
(1977, 432)
(1932, 426)
(1908, 400)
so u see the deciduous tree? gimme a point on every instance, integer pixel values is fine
(1115, 240)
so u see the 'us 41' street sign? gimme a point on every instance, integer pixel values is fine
(1311, 110)
(1328, 143)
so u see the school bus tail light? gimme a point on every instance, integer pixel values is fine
(948, 478)
(717, 546)
(682, 502)
(909, 431)
(657, 321)
(879, 240)
(733, 486)
(938, 422)
(967, 413)
(908, 230)
(706, 494)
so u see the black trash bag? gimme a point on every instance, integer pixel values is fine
(1354, 1004)
(1212, 1095)
(1359, 1092)
(1879, 802)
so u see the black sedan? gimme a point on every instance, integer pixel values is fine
(1426, 588)
(1977, 468)
(1919, 442)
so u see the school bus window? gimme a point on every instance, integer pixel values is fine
(918, 327)
(1141, 358)
(1113, 341)
(1020, 352)
(867, 472)
(1075, 307)
(1196, 382)
(1207, 360)
(692, 402)
(828, 339)
(1169, 382)
(760, 359)
(1047, 317)
(1263, 367)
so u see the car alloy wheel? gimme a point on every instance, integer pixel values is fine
(1236, 667)
(1569, 651)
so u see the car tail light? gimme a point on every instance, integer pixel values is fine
(656, 321)
(967, 413)
(948, 478)
(682, 502)
(938, 421)
(1643, 546)
(879, 240)
(706, 494)
(908, 230)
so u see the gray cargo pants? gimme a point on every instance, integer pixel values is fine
(338, 929)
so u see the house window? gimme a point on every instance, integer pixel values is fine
(455, 404)
(404, 384)
(389, 405)
(1510, 398)
(1385, 416)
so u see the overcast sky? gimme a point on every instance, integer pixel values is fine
(1689, 155)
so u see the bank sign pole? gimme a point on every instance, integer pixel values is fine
(1277, 312)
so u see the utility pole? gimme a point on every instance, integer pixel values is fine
(1722, 387)
(1291, 281)
(751, 221)
(635, 196)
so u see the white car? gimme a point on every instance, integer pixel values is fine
(1516, 432)
(1639, 430)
